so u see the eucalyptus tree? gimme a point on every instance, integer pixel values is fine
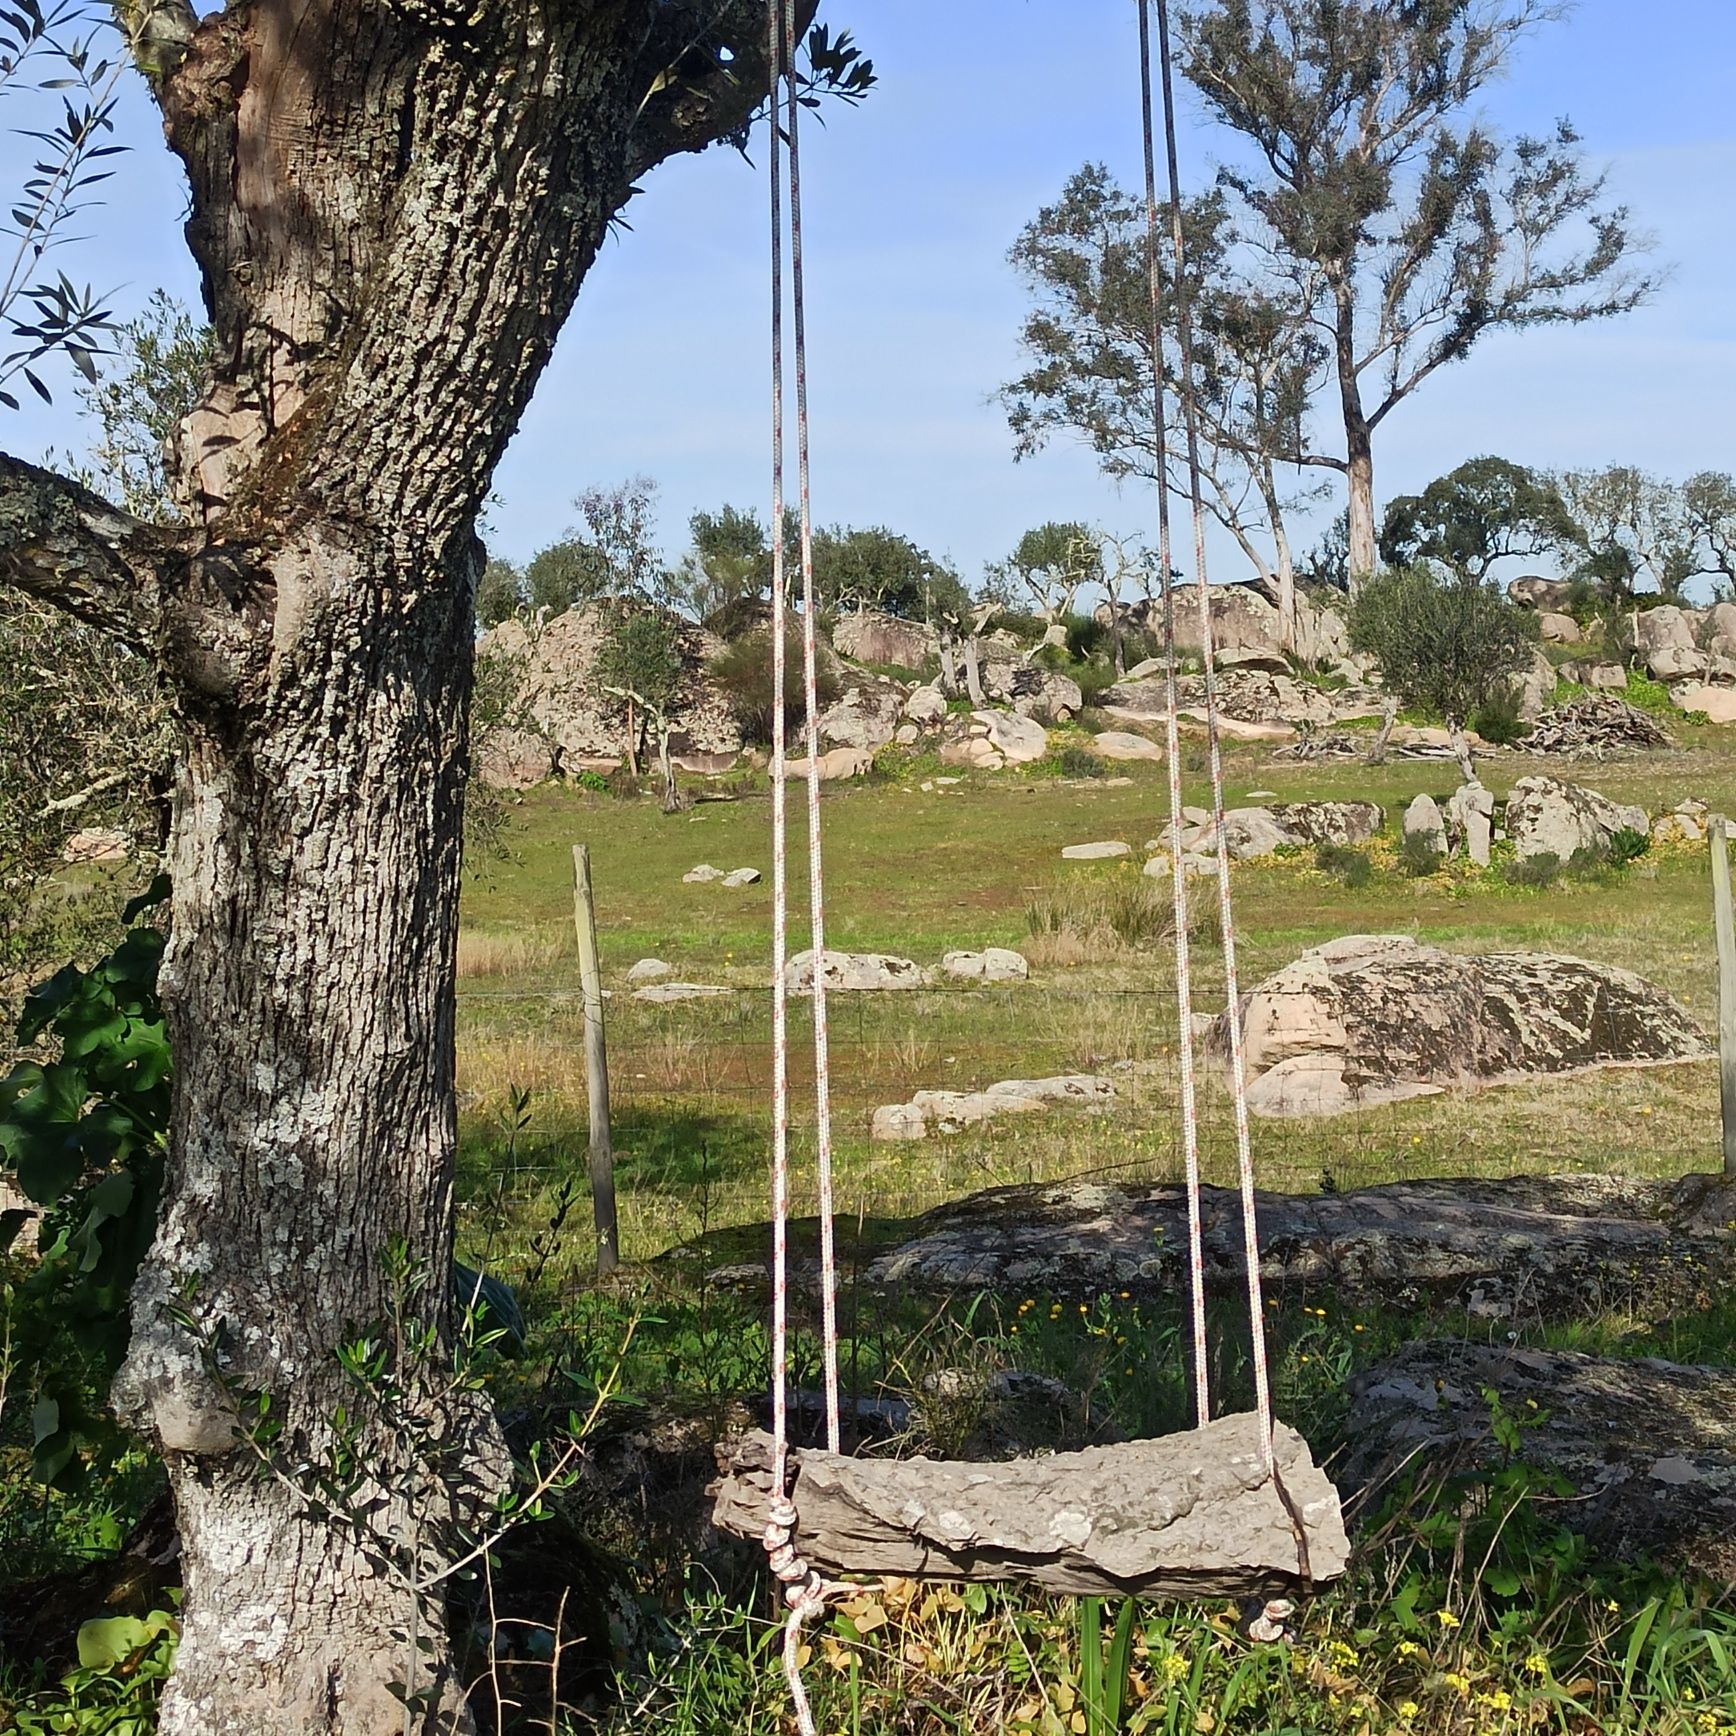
(393, 204)
(1092, 362)
(1407, 233)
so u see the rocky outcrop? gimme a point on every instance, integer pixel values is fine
(1546, 817)
(853, 971)
(1718, 703)
(1471, 822)
(1123, 745)
(1548, 1246)
(926, 707)
(1254, 832)
(578, 722)
(1686, 823)
(953, 1111)
(1533, 689)
(1375, 1019)
(668, 994)
(837, 763)
(1559, 629)
(989, 740)
(1532, 592)
(1665, 641)
(1648, 1448)
(873, 637)
(866, 717)
(1424, 823)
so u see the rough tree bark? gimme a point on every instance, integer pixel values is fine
(1358, 435)
(392, 206)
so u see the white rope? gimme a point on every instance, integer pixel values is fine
(1172, 730)
(804, 1591)
(810, 694)
(1202, 582)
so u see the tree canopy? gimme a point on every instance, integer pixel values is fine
(1402, 232)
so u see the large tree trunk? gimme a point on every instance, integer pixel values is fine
(307, 984)
(1286, 560)
(1358, 438)
(393, 207)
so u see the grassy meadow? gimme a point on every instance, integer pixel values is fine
(1470, 1610)
(918, 872)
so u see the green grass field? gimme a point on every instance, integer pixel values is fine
(918, 873)
(1469, 1611)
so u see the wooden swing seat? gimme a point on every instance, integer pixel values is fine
(1183, 1515)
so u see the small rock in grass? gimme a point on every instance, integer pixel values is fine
(742, 877)
(648, 970)
(701, 875)
(1100, 852)
(660, 994)
(995, 964)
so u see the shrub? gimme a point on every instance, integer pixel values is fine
(1497, 719)
(1418, 858)
(1351, 866)
(593, 781)
(744, 672)
(1075, 761)
(1087, 637)
(1533, 871)
(1445, 645)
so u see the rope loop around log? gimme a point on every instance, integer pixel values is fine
(805, 1595)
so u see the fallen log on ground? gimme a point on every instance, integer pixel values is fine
(1187, 1515)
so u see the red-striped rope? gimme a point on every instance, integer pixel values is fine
(1183, 300)
(810, 694)
(804, 1591)
(1178, 867)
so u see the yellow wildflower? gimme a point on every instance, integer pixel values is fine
(1408, 1709)
(1447, 1619)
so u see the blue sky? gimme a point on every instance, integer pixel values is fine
(984, 108)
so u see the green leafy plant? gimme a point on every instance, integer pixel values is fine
(1350, 865)
(84, 1135)
(1645, 694)
(123, 1663)
(1628, 845)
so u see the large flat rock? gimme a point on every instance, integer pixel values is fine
(1647, 1447)
(1533, 1244)
(1373, 1019)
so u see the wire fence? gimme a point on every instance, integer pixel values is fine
(691, 1089)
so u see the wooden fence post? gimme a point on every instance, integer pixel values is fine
(596, 1066)
(1725, 923)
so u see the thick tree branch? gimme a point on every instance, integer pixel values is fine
(694, 94)
(66, 546)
